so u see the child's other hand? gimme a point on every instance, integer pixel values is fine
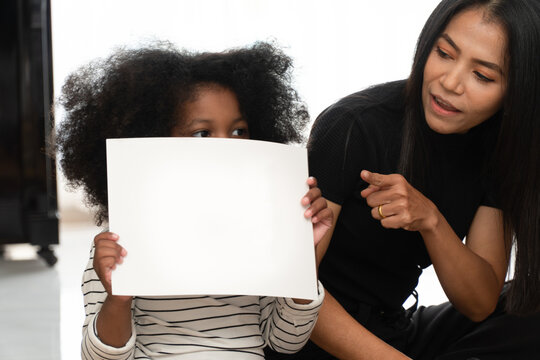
(107, 254)
(321, 216)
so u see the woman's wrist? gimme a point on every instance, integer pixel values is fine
(432, 221)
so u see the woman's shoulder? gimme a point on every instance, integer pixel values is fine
(377, 106)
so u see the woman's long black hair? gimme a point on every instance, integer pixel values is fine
(516, 160)
(141, 92)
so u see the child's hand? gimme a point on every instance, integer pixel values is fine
(320, 215)
(107, 254)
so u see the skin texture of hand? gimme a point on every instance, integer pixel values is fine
(401, 204)
(107, 254)
(114, 320)
(322, 217)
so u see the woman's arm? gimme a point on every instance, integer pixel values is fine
(471, 275)
(341, 335)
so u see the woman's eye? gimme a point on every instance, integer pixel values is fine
(239, 132)
(442, 53)
(201, 133)
(481, 77)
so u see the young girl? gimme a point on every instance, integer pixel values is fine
(411, 169)
(160, 91)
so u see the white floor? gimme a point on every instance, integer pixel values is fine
(41, 308)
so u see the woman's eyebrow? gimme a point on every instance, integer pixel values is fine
(487, 64)
(451, 42)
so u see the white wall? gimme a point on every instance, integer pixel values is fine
(338, 46)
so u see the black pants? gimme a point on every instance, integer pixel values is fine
(440, 332)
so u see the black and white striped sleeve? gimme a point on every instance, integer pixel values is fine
(287, 325)
(94, 295)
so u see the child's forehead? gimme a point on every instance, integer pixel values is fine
(204, 96)
(203, 87)
(214, 101)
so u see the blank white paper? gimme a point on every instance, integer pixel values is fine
(210, 217)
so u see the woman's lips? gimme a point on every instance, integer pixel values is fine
(442, 106)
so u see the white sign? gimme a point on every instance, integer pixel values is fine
(210, 217)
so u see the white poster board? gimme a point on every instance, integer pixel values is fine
(210, 216)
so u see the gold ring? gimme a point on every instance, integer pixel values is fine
(380, 211)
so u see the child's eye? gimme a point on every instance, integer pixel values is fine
(239, 132)
(201, 133)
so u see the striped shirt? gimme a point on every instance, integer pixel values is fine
(200, 327)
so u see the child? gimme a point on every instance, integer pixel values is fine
(160, 91)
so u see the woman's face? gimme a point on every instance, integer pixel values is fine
(464, 76)
(214, 112)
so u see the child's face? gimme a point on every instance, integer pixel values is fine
(214, 112)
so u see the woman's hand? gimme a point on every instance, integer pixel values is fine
(321, 216)
(397, 204)
(107, 254)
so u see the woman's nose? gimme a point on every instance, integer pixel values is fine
(452, 81)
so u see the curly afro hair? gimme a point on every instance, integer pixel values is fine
(140, 93)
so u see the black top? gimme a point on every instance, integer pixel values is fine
(365, 262)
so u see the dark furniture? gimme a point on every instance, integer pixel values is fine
(28, 203)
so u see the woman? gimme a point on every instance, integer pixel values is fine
(412, 168)
(242, 94)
